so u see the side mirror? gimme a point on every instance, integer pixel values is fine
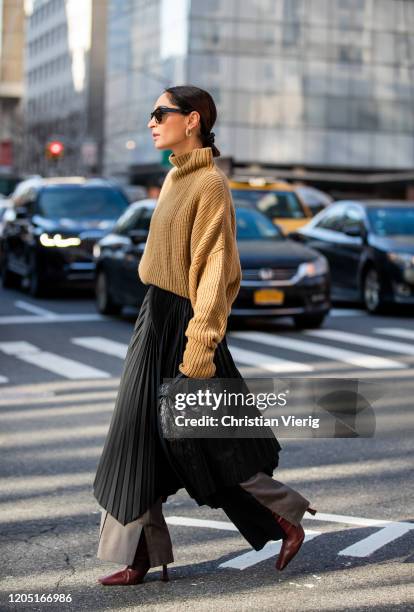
(354, 230)
(138, 235)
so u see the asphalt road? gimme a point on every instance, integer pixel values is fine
(60, 364)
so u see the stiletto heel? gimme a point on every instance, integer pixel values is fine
(164, 576)
(311, 510)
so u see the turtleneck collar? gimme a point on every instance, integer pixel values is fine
(187, 162)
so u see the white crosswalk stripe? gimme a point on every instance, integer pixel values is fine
(376, 540)
(398, 332)
(386, 345)
(68, 368)
(53, 319)
(271, 549)
(266, 362)
(103, 345)
(360, 360)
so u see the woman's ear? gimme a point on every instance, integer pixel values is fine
(194, 120)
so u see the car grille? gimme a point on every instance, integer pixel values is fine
(272, 274)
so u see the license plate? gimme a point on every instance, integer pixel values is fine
(268, 296)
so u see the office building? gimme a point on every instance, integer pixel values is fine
(65, 80)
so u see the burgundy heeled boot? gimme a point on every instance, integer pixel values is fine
(293, 540)
(136, 572)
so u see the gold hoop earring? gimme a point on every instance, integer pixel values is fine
(187, 133)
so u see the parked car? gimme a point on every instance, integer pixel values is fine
(280, 277)
(370, 249)
(49, 236)
(276, 199)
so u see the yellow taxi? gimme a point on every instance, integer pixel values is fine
(276, 199)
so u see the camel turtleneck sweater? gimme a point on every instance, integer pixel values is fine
(191, 250)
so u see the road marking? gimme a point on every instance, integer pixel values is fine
(65, 318)
(103, 345)
(391, 530)
(272, 364)
(399, 332)
(376, 540)
(68, 368)
(34, 309)
(348, 520)
(346, 312)
(322, 350)
(193, 522)
(381, 343)
(270, 549)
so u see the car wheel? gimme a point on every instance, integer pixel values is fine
(104, 301)
(308, 320)
(371, 291)
(9, 280)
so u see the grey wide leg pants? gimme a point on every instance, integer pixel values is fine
(118, 543)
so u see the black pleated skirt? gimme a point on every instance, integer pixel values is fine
(137, 466)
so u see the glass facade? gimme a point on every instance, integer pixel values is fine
(314, 82)
(147, 51)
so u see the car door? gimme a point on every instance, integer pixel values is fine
(133, 289)
(323, 235)
(349, 246)
(19, 233)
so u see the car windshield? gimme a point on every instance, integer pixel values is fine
(82, 203)
(252, 225)
(283, 204)
(392, 221)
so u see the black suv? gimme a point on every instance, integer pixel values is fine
(51, 228)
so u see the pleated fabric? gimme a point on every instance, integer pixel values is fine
(137, 465)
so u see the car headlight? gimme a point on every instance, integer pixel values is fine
(57, 241)
(404, 260)
(314, 268)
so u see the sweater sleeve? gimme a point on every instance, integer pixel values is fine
(214, 278)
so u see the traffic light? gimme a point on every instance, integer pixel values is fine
(54, 149)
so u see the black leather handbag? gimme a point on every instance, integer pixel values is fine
(167, 411)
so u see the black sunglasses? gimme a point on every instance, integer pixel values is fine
(160, 111)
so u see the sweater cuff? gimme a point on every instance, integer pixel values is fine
(197, 360)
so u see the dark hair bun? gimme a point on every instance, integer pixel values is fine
(210, 138)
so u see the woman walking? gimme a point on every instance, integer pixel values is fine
(192, 268)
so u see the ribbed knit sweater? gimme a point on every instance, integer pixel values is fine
(191, 250)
